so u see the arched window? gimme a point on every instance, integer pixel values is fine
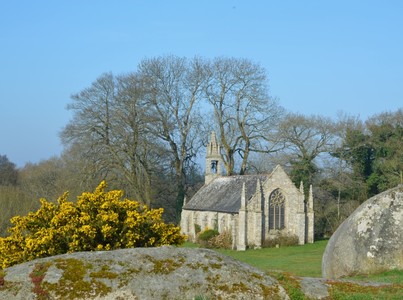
(276, 210)
(214, 166)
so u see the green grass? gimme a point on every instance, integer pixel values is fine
(351, 291)
(393, 276)
(298, 260)
(188, 244)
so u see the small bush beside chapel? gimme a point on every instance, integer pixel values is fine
(101, 220)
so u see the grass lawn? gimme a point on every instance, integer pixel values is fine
(393, 276)
(298, 260)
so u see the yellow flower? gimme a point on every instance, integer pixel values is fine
(97, 221)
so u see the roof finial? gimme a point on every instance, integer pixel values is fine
(310, 199)
(258, 186)
(243, 196)
(301, 187)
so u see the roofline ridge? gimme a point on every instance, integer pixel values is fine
(246, 175)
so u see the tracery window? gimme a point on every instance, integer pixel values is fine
(276, 210)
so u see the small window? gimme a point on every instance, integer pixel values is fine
(276, 210)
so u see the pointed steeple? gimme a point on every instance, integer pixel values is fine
(213, 145)
(213, 159)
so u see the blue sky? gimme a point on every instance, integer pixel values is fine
(321, 57)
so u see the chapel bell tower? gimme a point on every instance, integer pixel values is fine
(213, 160)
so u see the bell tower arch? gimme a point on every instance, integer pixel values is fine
(213, 159)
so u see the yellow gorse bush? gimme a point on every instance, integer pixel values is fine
(97, 221)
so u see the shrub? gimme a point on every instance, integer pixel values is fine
(204, 237)
(282, 240)
(197, 228)
(207, 234)
(223, 240)
(97, 221)
(211, 238)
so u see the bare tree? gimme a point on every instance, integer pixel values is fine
(143, 126)
(110, 125)
(173, 94)
(91, 123)
(244, 114)
(305, 138)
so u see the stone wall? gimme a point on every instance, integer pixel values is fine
(206, 220)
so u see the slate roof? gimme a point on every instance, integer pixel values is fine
(223, 194)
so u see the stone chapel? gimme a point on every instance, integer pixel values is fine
(253, 208)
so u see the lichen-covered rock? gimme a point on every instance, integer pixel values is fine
(370, 240)
(141, 273)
